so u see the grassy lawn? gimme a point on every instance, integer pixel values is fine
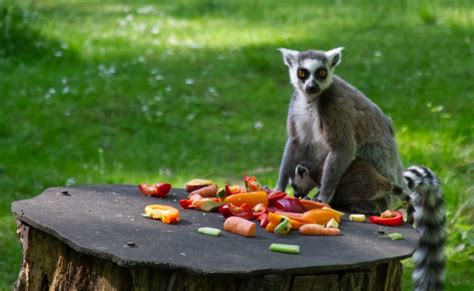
(128, 93)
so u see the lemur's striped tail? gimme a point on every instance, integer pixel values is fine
(427, 211)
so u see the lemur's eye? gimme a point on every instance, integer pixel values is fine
(322, 73)
(302, 73)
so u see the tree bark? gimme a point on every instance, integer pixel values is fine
(49, 264)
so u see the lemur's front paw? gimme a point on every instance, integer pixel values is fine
(321, 198)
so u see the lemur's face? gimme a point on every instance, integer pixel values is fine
(311, 72)
(301, 182)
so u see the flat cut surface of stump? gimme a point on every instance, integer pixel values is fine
(101, 220)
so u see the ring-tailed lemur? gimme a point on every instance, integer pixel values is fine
(330, 120)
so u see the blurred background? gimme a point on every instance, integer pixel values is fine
(121, 92)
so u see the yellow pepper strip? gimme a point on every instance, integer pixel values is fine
(167, 214)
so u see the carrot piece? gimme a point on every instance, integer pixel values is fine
(208, 191)
(240, 226)
(310, 204)
(316, 229)
(251, 198)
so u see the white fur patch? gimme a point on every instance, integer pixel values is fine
(307, 123)
(311, 64)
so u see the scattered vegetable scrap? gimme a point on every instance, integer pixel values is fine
(250, 198)
(284, 226)
(316, 229)
(243, 211)
(395, 236)
(206, 191)
(284, 248)
(196, 184)
(388, 218)
(240, 226)
(321, 216)
(157, 190)
(209, 231)
(251, 184)
(167, 214)
(357, 217)
(332, 223)
(275, 211)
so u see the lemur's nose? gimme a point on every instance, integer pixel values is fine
(312, 88)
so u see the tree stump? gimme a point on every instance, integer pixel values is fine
(94, 238)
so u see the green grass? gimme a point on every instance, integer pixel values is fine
(129, 93)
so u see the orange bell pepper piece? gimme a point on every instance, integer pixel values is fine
(310, 204)
(251, 198)
(167, 214)
(296, 219)
(321, 216)
(274, 219)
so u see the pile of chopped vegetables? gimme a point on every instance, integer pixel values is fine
(275, 211)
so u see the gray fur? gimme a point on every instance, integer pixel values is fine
(430, 219)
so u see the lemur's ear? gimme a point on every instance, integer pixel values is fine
(334, 56)
(290, 57)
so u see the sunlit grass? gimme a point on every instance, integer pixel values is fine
(126, 93)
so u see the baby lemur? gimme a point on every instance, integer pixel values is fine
(359, 189)
(330, 120)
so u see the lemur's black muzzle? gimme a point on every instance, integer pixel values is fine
(312, 88)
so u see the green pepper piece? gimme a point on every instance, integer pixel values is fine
(221, 193)
(284, 227)
(395, 236)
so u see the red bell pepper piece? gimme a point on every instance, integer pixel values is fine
(162, 189)
(224, 210)
(258, 210)
(243, 211)
(272, 209)
(388, 218)
(157, 190)
(251, 183)
(185, 203)
(274, 196)
(289, 205)
(263, 218)
(147, 189)
(232, 189)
